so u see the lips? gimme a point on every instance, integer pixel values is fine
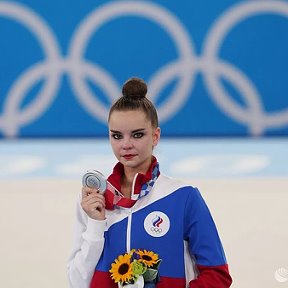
(128, 156)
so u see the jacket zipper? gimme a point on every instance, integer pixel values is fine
(129, 220)
(128, 235)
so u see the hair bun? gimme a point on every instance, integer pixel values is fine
(134, 87)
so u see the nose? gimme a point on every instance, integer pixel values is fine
(127, 143)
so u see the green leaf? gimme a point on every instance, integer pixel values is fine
(138, 268)
(150, 274)
(156, 266)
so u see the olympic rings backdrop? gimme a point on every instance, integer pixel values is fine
(213, 68)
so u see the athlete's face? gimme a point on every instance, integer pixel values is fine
(133, 138)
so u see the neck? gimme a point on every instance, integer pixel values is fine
(126, 185)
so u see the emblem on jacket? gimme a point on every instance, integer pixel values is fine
(157, 224)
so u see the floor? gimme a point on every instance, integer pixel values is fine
(244, 182)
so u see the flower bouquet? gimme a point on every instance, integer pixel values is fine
(136, 269)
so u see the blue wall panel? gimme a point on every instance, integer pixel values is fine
(213, 68)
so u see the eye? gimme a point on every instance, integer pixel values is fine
(116, 136)
(138, 135)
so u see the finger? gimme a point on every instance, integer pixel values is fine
(92, 204)
(99, 205)
(95, 195)
(92, 200)
(86, 191)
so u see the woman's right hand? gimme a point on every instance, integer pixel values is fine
(93, 203)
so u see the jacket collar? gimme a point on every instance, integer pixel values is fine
(113, 194)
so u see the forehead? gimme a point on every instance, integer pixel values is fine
(128, 120)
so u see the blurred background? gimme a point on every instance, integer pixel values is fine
(217, 72)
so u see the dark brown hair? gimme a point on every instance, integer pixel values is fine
(134, 97)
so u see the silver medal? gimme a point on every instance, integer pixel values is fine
(94, 179)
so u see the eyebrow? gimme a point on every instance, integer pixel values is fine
(134, 131)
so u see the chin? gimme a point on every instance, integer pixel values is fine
(130, 163)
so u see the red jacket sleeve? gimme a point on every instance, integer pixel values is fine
(212, 277)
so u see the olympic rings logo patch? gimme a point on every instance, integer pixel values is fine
(157, 224)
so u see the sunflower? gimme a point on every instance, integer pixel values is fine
(121, 270)
(148, 257)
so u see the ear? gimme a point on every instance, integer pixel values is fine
(156, 136)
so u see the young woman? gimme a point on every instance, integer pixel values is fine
(150, 211)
